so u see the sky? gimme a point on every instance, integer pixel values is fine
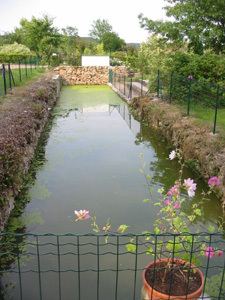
(120, 14)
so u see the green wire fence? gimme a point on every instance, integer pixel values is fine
(84, 266)
(195, 96)
(11, 74)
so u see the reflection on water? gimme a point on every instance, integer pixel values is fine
(91, 161)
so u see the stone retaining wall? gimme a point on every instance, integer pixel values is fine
(87, 75)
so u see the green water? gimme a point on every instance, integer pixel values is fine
(90, 160)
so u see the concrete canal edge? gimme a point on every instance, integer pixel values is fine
(32, 110)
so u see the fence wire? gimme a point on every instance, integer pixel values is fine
(11, 74)
(196, 97)
(70, 266)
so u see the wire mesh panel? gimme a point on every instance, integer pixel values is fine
(11, 74)
(72, 266)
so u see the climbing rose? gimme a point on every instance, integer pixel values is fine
(167, 202)
(174, 190)
(172, 155)
(190, 186)
(209, 252)
(82, 215)
(190, 77)
(214, 181)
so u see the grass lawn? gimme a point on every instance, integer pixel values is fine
(26, 76)
(208, 115)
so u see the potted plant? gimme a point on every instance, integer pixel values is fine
(174, 273)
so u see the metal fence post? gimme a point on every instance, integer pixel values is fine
(4, 79)
(141, 83)
(217, 101)
(130, 93)
(10, 82)
(20, 72)
(171, 86)
(11, 76)
(124, 90)
(189, 97)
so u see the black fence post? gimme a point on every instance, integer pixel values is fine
(4, 78)
(11, 76)
(130, 93)
(217, 102)
(10, 82)
(141, 83)
(20, 71)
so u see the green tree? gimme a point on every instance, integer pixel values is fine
(15, 49)
(99, 28)
(13, 52)
(112, 42)
(70, 37)
(70, 43)
(200, 22)
(40, 35)
(153, 55)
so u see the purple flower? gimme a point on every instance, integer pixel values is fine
(167, 202)
(209, 252)
(190, 186)
(219, 253)
(174, 190)
(82, 215)
(214, 181)
(190, 77)
(172, 155)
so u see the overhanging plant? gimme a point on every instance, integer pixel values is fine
(176, 259)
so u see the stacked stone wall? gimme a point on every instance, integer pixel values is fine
(87, 75)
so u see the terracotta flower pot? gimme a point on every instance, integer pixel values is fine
(153, 294)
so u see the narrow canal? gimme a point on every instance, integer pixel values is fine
(90, 160)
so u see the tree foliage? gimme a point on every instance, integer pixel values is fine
(156, 54)
(39, 35)
(13, 52)
(112, 42)
(201, 23)
(15, 49)
(99, 28)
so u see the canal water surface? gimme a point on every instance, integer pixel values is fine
(91, 160)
